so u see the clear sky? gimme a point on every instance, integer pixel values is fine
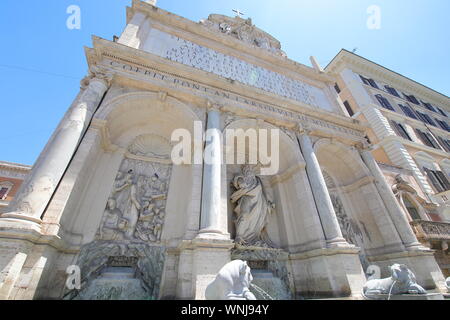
(42, 61)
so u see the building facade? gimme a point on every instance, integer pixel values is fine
(11, 178)
(106, 201)
(409, 128)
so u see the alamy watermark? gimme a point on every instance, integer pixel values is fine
(235, 146)
(374, 19)
(74, 20)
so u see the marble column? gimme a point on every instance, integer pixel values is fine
(328, 219)
(397, 215)
(39, 186)
(211, 188)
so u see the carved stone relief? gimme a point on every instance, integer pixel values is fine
(243, 30)
(136, 207)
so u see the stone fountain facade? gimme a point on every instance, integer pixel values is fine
(105, 196)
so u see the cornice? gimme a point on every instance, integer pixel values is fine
(238, 47)
(14, 166)
(400, 82)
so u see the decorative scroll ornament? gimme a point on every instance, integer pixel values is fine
(243, 30)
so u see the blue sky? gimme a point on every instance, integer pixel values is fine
(42, 61)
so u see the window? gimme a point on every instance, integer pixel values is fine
(5, 187)
(438, 179)
(444, 143)
(426, 118)
(384, 102)
(336, 87)
(349, 108)
(392, 91)
(369, 82)
(3, 192)
(401, 130)
(443, 124)
(411, 98)
(428, 106)
(408, 111)
(441, 112)
(428, 139)
(412, 210)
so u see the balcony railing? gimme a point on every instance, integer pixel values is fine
(431, 230)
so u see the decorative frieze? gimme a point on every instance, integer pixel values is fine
(259, 107)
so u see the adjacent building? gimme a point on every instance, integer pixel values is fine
(410, 133)
(11, 178)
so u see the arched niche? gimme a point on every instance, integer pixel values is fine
(294, 225)
(353, 184)
(136, 128)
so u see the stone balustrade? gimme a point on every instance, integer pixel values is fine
(431, 230)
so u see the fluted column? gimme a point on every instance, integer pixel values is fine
(211, 189)
(328, 219)
(40, 185)
(397, 215)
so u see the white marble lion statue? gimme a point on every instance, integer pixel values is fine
(402, 281)
(231, 283)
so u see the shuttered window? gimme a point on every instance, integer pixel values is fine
(444, 143)
(428, 139)
(438, 180)
(349, 108)
(442, 112)
(3, 193)
(384, 102)
(426, 118)
(408, 111)
(369, 82)
(400, 130)
(429, 106)
(411, 98)
(336, 87)
(392, 91)
(443, 125)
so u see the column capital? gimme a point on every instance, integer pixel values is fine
(363, 146)
(210, 105)
(98, 74)
(303, 128)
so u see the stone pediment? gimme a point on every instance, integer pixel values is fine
(244, 30)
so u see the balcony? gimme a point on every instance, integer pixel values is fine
(431, 230)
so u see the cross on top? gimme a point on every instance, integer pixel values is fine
(238, 12)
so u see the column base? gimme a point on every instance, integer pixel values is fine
(328, 273)
(14, 220)
(208, 233)
(338, 243)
